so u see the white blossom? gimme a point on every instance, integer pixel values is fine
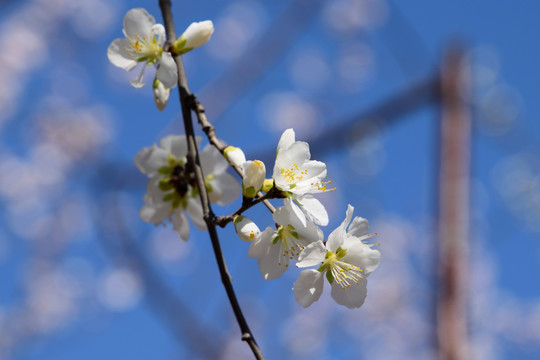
(346, 260)
(143, 44)
(196, 35)
(172, 190)
(296, 174)
(246, 229)
(235, 155)
(161, 94)
(275, 248)
(254, 175)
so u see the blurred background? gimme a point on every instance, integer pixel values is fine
(82, 277)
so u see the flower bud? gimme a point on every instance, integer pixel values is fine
(161, 94)
(197, 34)
(267, 185)
(254, 174)
(234, 155)
(246, 229)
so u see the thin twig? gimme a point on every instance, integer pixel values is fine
(193, 157)
(224, 220)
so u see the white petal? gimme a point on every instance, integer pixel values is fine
(336, 238)
(194, 209)
(296, 153)
(181, 225)
(154, 214)
(158, 31)
(362, 256)
(293, 214)
(167, 71)
(314, 210)
(311, 233)
(154, 193)
(119, 57)
(198, 33)
(228, 186)
(212, 161)
(175, 145)
(353, 296)
(161, 95)
(137, 82)
(245, 228)
(150, 159)
(260, 245)
(313, 254)
(138, 21)
(235, 155)
(286, 140)
(308, 287)
(359, 227)
(274, 263)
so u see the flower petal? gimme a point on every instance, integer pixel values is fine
(167, 71)
(274, 263)
(228, 186)
(118, 55)
(158, 31)
(313, 254)
(362, 255)
(286, 140)
(314, 210)
(194, 209)
(260, 245)
(336, 238)
(138, 21)
(175, 145)
(352, 296)
(181, 225)
(150, 159)
(212, 161)
(137, 82)
(198, 33)
(154, 214)
(294, 214)
(359, 227)
(308, 287)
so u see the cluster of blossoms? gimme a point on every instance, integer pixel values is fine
(345, 259)
(144, 44)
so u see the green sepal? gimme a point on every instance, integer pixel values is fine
(165, 185)
(340, 253)
(276, 239)
(295, 234)
(165, 170)
(237, 219)
(329, 277)
(171, 160)
(177, 47)
(175, 203)
(292, 186)
(168, 197)
(322, 267)
(250, 192)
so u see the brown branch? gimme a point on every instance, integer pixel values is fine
(193, 157)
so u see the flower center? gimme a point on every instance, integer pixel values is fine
(290, 242)
(142, 48)
(293, 174)
(343, 273)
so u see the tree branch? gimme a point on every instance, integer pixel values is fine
(193, 156)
